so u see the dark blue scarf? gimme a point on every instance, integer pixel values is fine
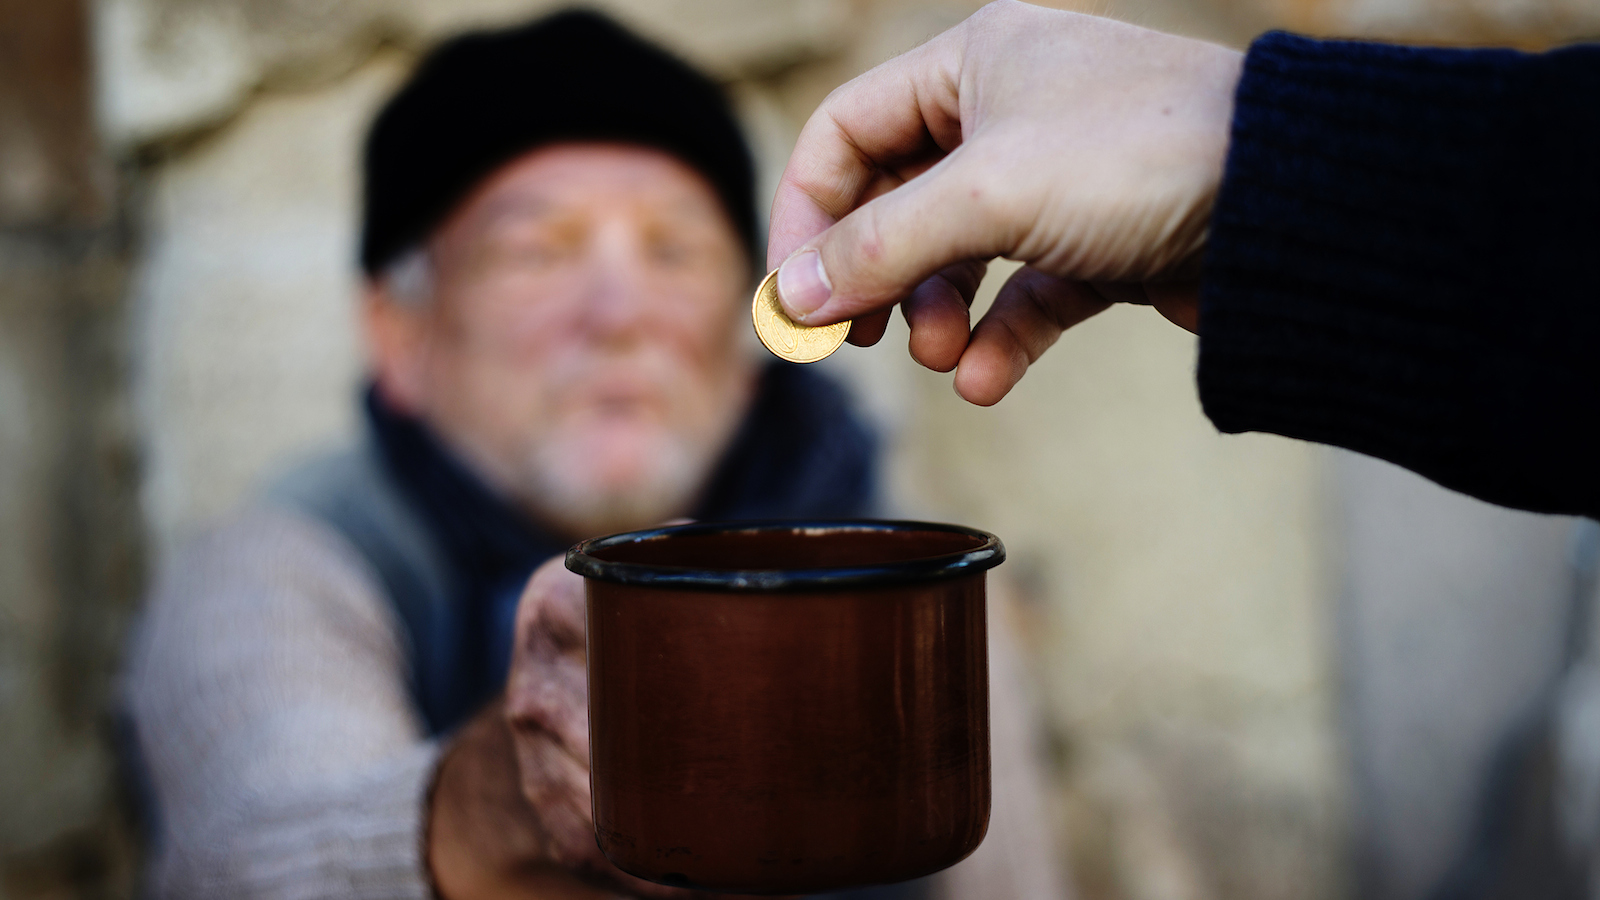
(799, 454)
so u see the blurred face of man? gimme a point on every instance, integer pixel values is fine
(576, 340)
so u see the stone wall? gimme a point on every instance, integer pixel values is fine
(1181, 592)
(70, 548)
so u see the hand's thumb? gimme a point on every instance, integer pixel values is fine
(875, 256)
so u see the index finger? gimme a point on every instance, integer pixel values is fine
(902, 110)
(553, 603)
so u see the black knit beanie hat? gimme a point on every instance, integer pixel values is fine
(484, 98)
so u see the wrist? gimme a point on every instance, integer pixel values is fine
(480, 833)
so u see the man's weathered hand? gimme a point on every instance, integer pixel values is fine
(546, 708)
(511, 807)
(1089, 149)
(547, 711)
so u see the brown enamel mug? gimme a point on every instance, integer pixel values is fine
(788, 708)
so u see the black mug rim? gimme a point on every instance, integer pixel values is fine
(986, 555)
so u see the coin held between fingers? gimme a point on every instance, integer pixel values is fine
(786, 338)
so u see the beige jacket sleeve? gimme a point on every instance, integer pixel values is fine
(267, 687)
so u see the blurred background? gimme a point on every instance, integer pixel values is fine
(1265, 670)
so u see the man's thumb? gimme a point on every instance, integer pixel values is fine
(878, 253)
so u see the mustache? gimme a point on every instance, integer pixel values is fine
(646, 369)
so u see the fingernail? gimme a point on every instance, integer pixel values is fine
(803, 285)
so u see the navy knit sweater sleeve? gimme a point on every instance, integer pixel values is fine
(1405, 261)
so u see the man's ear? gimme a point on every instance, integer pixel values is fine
(397, 347)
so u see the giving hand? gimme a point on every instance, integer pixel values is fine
(1088, 149)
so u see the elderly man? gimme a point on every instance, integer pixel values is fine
(353, 688)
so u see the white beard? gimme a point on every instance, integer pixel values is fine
(566, 491)
(590, 460)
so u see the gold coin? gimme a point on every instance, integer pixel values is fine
(784, 336)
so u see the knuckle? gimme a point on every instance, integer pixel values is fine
(1039, 316)
(868, 238)
(997, 17)
(965, 278)
(522, 713)
(994, 9)
(535, 700)
(985, 184)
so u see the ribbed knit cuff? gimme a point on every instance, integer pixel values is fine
(1383, 253)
